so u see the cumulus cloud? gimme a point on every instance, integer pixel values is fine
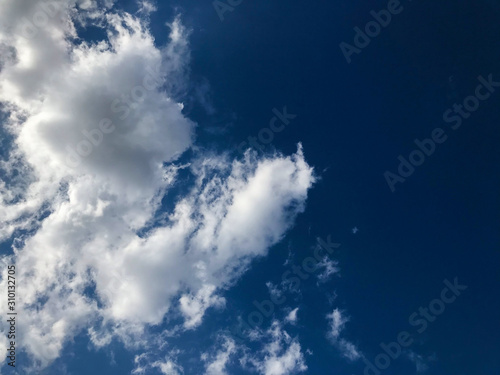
(194, 307)
(292, 316)
(153, 361)
(216, 364)
(282, 355)
(168, 367)
(275, 352)
(349, 350)
(337, 321)
(96, 133)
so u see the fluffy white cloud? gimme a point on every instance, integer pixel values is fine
(281, 356)
(292, 316)
(61, 95)
(217, 364)
(167, 365)
(337, 321)
(349, 350)
(95, 135)
(193, 307)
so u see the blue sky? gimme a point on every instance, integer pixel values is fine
(205, 187)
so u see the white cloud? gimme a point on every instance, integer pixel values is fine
(349, 350)
(330, 267)
(168, 367)
(281, 356)
(292, 316)
(100, 229)
(193, 307)
(217, 364)
(275, 292)
(146, 7)
(337, 321)
(421, 362)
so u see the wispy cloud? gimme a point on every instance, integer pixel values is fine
(337, 321)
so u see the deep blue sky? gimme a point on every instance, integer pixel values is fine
(353, 121)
